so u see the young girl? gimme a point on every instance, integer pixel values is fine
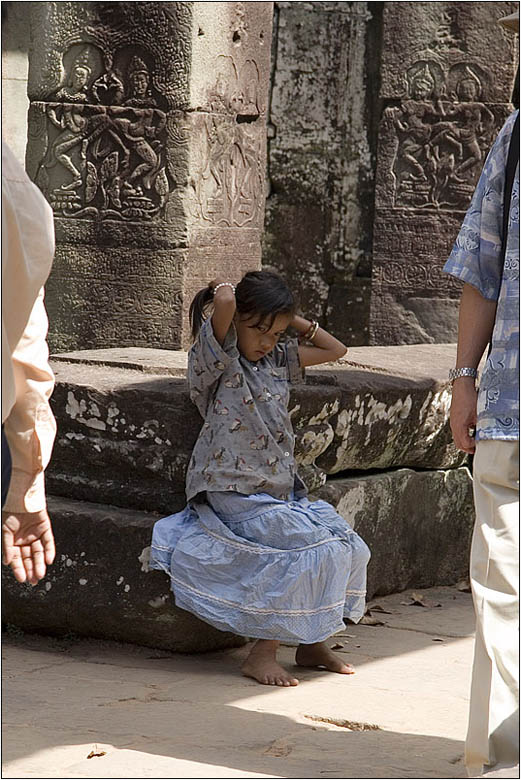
(250, 554)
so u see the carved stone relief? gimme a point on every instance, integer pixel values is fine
(227, 187)
(410, 278)
(160, 33)
(104, 161)
(439, 144)
(236, 89)
(449, 34)
(444, 80)
(139, 165)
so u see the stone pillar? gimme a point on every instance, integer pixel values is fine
(447, 73)
(147, 129)
(321, 158)
(15, 43)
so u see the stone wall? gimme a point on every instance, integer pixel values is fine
(380, 99)
(321, 152)
(15, 65)
(447, 72)
(343, 96)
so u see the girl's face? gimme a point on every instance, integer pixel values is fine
(255, 339)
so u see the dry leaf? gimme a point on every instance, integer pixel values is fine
(377, 608)
(418, 600)
(368, 620)
(93, 754)
(464, 586)
(337, 646)
(279, 748)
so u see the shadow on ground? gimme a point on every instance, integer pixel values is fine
(158, 714)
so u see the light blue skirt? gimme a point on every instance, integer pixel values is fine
(264, 568)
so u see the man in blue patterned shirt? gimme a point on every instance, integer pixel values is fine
(489, 312)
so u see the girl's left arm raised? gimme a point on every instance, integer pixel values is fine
(325, 347)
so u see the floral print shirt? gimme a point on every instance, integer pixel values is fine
(475, 259)
(246, 442)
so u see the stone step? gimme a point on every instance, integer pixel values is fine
(417, 524)
(126, 425)
(100, 584)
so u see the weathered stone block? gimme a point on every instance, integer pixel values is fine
(130, 432)
(230, 58)
(100, 585)
(418, 525)
(118, 295)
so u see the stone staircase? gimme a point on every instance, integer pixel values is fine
(372, 439)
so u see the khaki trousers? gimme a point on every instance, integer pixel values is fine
(493, 731)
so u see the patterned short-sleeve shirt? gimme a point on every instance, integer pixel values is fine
(246, 443)
(476, 259)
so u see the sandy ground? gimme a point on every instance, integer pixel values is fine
(147, 713)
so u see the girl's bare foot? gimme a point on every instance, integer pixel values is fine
(262, 665)
(319, 654)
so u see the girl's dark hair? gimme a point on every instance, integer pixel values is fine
(259, 293)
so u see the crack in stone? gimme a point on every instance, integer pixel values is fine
(41, 668)
(351, 725)
(429, 633)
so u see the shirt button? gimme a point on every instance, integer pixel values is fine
(286, 454)
(255, 368)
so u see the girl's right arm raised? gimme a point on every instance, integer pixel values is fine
(214, 346)
(224, 306)
(223, 302)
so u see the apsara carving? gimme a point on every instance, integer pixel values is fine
(105, 160)
(442, 130)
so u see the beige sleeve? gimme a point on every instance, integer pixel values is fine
(30, 427)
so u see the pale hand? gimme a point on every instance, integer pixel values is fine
(463, 413)
(27, 544)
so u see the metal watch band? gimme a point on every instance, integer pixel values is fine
(455, 373)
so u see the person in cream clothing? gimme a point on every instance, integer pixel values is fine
(28, 426)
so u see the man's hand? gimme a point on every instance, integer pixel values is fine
(463, 413)
(27, 544)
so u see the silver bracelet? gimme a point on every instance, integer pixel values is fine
(224, 284)
(455, 373)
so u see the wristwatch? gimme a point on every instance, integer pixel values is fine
(455, 373)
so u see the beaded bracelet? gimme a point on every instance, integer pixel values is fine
(224, 284)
